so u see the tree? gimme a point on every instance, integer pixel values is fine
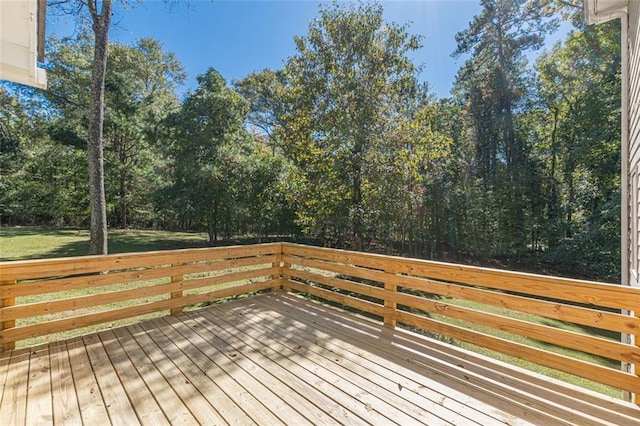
(345, 88)
(140, 89)
(101, 21)
(40, 183)
(140, 92)
(99, 13)
(265, 92)
(578, 147)
(208, 143)
(492, 84)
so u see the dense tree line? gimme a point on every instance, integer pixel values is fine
(344, 145)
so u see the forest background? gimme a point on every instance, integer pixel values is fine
(344, 146)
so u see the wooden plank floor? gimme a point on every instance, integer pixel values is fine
(279, 359)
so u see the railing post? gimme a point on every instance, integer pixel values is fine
(391, 286)
(631, 367)
(278, 264)
(5, 302)
(285, 275)
(635, 367)
(176, 294)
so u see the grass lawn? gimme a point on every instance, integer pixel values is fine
(38, 243)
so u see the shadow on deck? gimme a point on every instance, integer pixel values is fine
(280, 359)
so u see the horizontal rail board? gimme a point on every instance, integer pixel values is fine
(354, 271)
(384, 286)
(569, 313)
(82, 282)
(62, 305)
(56, 326)
(228, 278)
(568, 339)
(38, 269)
(606, 295)
(607, 376)
(577, 291)
(366, 260)
(563, 312)
(103, 280)
(583, 303)
(365, 290)
(342, 299)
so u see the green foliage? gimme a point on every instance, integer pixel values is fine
(265, 92)
(224, 179)
(140, 91)
(347, 90)
(38, 182)
(578, 147)
(343, 145)
(492, 83)
(140, 83)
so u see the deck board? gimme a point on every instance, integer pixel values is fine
(116, 401)
(174, 410)
(264, 406)
(147, 409)
(39, 407)
(13, 409)
(88, 392)
(358, 381)
(336, 406)
(331, 386)
(189, 394)
(428, 404)
(289, 388)
(480, 377)
(281, 359)
(66, 410)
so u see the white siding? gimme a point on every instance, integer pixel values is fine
(634, 140)
(633, 233)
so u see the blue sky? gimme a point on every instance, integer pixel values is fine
(237, 37)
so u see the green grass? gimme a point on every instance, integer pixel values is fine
(23, 243)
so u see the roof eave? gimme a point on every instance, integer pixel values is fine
(599, 11)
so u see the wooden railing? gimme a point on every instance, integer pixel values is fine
(447, 301)
(41, 297)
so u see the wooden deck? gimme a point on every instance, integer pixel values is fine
(280, 359)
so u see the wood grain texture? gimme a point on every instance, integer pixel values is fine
(66, 409)
(383, 286)
(79, 302)
(49, 268)
(276, 359)
(102, 279)
(426, 287)
(80, 321)
(578, 291)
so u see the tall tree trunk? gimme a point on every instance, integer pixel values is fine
(122, 193)
(97, 200)
(512, 147)
(356, 196)
(212, 226)
(122, 190)
(553, 202)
